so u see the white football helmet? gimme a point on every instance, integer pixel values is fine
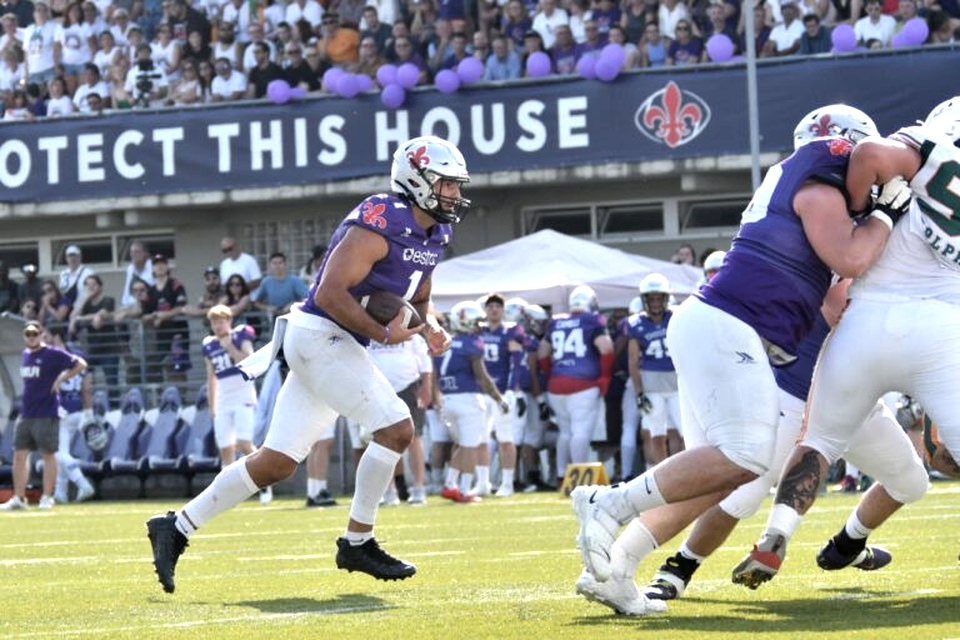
(713, 263)
(945, 118)
(583, 299)
(514, 310)
(655, 283)
(834, 120)
(418, 164)
(636, 306)
(466, 316)
(536, 320)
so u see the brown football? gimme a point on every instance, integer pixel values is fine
(383, 307)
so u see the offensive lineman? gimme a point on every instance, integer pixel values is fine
(388, 242)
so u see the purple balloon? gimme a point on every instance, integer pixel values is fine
(470, 70)
(844, 39)
(587, 67)
(331, 77)
(720, 47)
(348, 86)
(916, 31)
(615, 53)
(278, 91)
(408, 75)
(538, 64)
(298, 92)
(364, 82)
(393, 96)
(387, 74)
(447, 81)
(607, 69)
(900, 40)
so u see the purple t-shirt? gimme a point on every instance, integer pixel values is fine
(455, 369)
(39, 369)
(220, 360)
(496, 351)
(572, 337)
(413, 251)
(684, 54)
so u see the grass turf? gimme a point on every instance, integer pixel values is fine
(500, 569)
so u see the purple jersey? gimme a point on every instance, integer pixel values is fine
(651, 337)
(455, 367)
(572, 337)
(39, 369)
(796, 378)
(496, 351)
(413, 251)
(530, 345)
(220, 360)
(71, 391)
(771, 278)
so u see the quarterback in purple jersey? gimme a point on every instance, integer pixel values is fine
(724, 339)
(43, 369)
(389, 242)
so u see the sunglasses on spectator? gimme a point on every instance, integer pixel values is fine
(683, 28)
(227, 249)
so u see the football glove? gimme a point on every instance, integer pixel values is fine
(521, 406)
(504, 406)
(893, 201)
(545, 411)
(644, 404)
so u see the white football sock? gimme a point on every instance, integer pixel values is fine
(232, 486)
(686, 552)
(634, 544)
(312, 488)
(321, 485)
(452, 475)
(643, 494)
(466, 479)
(374, 474)
(628, 455)
(436, 475)
(783, 520)
(856, 529)
(483, 476)
(506, 478)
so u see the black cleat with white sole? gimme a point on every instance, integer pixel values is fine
(369, 558)
(168, 545)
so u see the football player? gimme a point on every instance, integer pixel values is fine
(532, 411)
(389, 242)
(899, 333)
(576, 355)
(725, 339)
(711, 266)
(461, 382)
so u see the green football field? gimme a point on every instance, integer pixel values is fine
(500, 569)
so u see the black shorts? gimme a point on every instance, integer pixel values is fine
(417, 414)
(37, 434)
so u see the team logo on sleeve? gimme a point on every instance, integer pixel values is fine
(372, 214)
(840, 147)
(672, 116)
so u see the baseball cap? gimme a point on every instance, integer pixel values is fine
(211, 271)
(159, 257)
(28, 268)
(31, 328)
(73, 250)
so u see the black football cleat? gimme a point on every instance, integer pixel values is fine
(369, 558)
(322, 499)
(168, 545)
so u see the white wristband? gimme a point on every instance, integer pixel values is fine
(882, 217)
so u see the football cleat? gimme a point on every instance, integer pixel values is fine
(598, 528)
(455, 495)
(85, 492)
(619, 594)
(665, 586)
(418, 495)
(505, 491)
(16, 503)
(46, 503)
(481, 490)
(369, 558)
(761, 564)
(870, 559)
(168, 545)
(322, 499)
(390, 499)
(266, 495)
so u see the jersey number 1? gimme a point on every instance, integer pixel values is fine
(414, 285)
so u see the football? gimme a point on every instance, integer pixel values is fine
(383, 307)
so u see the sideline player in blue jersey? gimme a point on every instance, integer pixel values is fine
(387, 243)
(724, 339)
(532, 411)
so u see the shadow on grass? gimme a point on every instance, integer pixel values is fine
(837, 610)
(347, 603)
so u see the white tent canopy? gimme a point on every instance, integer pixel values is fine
(544, 267)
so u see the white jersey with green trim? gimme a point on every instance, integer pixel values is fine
(922, 256)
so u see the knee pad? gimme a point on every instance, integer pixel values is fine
(906, 484)
(749, 447)
(746, 499)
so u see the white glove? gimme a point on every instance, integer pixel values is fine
(893, 201)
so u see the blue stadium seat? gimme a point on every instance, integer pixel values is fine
(157, 443)
(6, 448)
(120, 456)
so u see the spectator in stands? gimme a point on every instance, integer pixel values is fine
(236, 295)
(481, 45)
(146, 83)
(36, 105)
(369, 60)
(92, 17)
(653, 48)
(30, 310)
(90, 84)
(717, 22)
(906, 11)
(121, 26)
(516, 22)
(30, 288)
(300, 73)
(338, 44)
(316, 64)
(265, 71)
(379, 31)
(188, 89)
(351, 13)
(578, 12)
(119, 96)
(12, 73)
(38, 428)
(229, 84)
(140, 267)
(138, 292)
(503, 63)
(309, 10)
(103, 343)
(12, 37)
(59, 103)
(532, 42)
(235, 261)
(255, 34)
(163, 308)
(634, 20)
(687, 49)
(785, 37)
(78, 45)
(593, 40)
(617, 35)
(548, 19)
(309, 271)
(670, 14)
(403, 52)
(184, 19)
(459, 47)
(21, 9)
(72, 277)
(107, 53)
(875, 25)
(279, 290)
(815, 38)
(685, 254)
(940, 28)
(438, 42)
(227, 46)
(9, 291)
(423, 20)
(195, 48)
(490, 16)
(565, 51)
(43, 41)
(761, 32)
(605, 15)
(165, 53)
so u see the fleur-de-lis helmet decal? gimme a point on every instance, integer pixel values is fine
(418, 166)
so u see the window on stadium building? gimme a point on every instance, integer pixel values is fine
(95, 250)
(572, 222)
(295, 238)
(708, 214)
(155, 243)
(17, 254)
(630, 218)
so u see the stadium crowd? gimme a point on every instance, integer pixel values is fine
(63, 57)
